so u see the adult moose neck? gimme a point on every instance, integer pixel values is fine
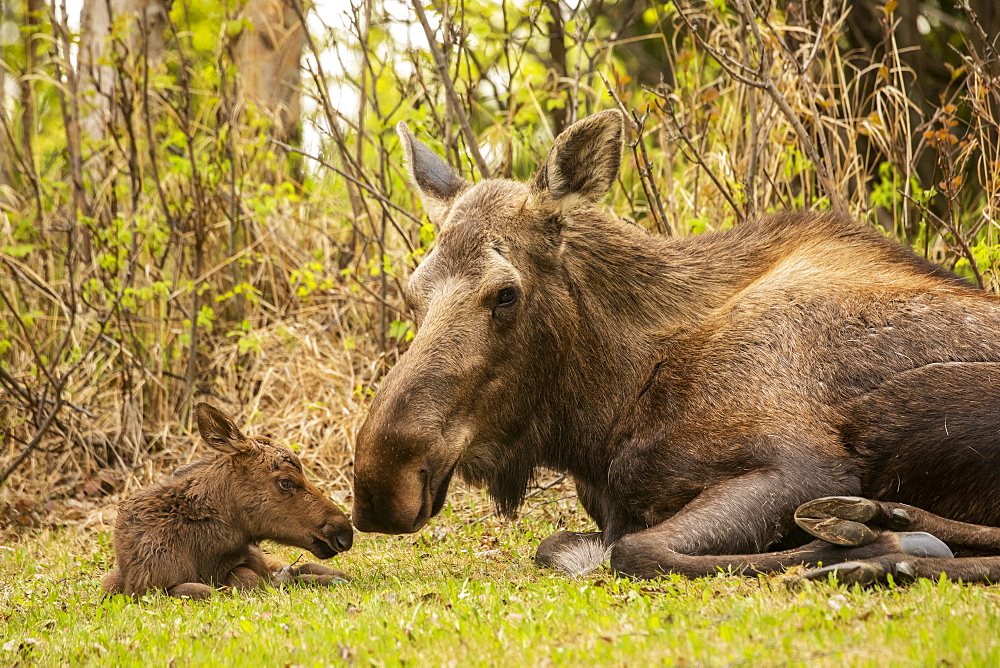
(631, 290)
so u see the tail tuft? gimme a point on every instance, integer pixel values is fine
(581, 559)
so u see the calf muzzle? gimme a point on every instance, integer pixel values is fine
(337, 536)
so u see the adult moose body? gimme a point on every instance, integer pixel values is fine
(698, 390)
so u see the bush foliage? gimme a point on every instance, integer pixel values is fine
(182, 253)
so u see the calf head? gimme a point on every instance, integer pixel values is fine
(266, 490)
(495, 316)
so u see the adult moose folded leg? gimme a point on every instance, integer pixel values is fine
(698, 389)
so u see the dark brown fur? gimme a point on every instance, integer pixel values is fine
(202, 525)
(697, 389)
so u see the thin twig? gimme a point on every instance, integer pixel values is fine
(663, 103)
(33, 443)
(530, 495)
(642, 159)
(364, 186)
(761, 78)
(50, 402)
(956, 234)
(442, 69)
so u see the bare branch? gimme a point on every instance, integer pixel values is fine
(449, 86)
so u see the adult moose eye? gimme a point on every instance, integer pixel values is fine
(506, 297)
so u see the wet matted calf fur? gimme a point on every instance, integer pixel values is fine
(202, 526)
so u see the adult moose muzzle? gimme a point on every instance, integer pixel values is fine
(699, 390)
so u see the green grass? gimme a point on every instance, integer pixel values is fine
(467, 593)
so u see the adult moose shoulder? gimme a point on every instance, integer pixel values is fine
(698, 390)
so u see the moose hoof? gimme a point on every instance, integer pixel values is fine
(839, 520)
(850, 572)
(865, 573)
(922, 544)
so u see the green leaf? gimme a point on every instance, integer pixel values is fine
(18, 250)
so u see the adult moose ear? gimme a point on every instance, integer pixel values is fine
(584, 160)
(219, 431)
(436, 181)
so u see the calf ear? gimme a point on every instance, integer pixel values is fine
(584, 159)
(436, 181)
(218, 430)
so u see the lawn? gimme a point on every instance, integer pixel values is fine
(465, 591)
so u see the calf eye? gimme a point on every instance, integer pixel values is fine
(286, 485)
(506, 297)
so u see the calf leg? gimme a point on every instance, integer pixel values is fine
(256, 570)
(335, 578)
(113, 583)
(267, 565)
(320, 571)
(313, 574)
(851, 521)
(745, 515)
(192, 590)
(244, 577)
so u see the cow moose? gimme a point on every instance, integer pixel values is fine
(698, 389)
(202, 526)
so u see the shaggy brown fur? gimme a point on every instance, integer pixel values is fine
(697, 389)
(202, 526)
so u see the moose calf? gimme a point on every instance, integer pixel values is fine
(202, 526)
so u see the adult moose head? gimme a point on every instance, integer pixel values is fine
(698, 390)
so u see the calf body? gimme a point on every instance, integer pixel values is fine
(202, 525)
(698, 390)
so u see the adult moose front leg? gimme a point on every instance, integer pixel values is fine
(728, 526)
(579, 552)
